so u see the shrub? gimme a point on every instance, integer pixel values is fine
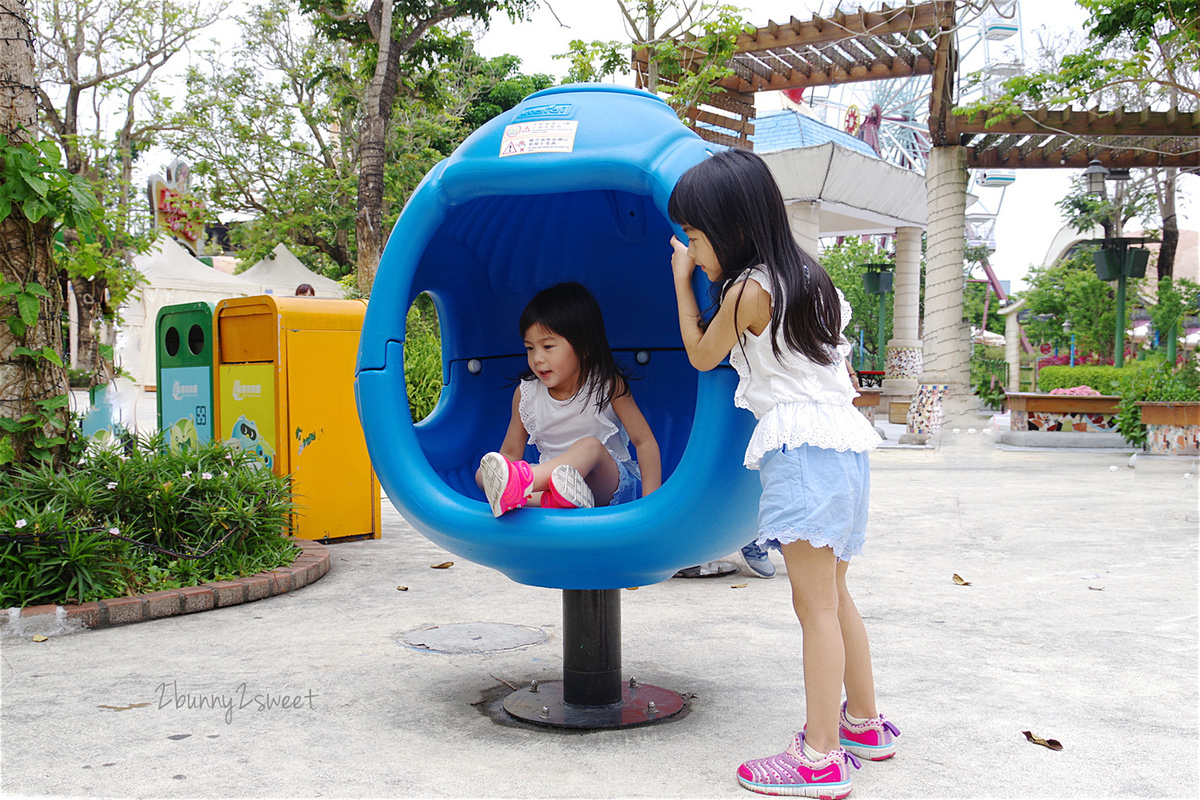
(1157, 383)
(1104, 379)
(142, 520)
(422, 358)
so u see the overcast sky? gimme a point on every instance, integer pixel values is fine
(1028, 219)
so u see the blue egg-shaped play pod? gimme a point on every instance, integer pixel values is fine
(572, 184)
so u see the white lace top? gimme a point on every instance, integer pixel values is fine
(554, 425)
(795, 400)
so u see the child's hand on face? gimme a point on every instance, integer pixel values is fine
(682, 265)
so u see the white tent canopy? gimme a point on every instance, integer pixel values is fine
(173, 277)
(281, 272)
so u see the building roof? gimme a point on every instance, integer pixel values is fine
(788, 129)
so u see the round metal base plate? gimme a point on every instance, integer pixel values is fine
(640, 705)
(713, 569)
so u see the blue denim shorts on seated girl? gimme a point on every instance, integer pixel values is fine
(816, 495)
(629, 486)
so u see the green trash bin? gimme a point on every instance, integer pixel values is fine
(183, 337)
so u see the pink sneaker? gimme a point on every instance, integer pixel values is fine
(874, 739)
(791, 773)
(507, 484)
(567, 489)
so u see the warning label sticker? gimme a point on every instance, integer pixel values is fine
(549, 136)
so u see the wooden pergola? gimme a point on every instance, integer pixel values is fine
(917, 39)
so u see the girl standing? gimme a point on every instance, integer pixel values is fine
(575, 405)
(779, 319)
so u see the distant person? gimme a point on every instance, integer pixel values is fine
(305, 290)
(779, 319)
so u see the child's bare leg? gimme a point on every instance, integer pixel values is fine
(595, 464)
(812, 573)
(860, 681)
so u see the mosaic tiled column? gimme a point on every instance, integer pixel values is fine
(805, 219)
(905, 357)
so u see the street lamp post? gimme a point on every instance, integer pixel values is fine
(877, 280)
(1116, 260)
(1067, 330)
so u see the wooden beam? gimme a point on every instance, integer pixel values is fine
(994, 159)
(912, 16)
(1117, 122)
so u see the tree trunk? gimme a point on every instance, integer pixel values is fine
(1170, 224)
(368, 223)
(25, 254)
(89, 296)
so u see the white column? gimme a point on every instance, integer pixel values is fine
(904, 354)
(947, 341)
(805, 218)
(1012, 344)
(73, 325)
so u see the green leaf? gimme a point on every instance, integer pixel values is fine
(56, 402)
(37, 184)
(27, 307)
(37, 289)
(35, 209)
(24, 351)
(52, 356)
(51, 151)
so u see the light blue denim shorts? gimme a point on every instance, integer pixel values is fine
(815, 495)
(629, 487)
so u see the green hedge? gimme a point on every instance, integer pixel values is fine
(1104, 379)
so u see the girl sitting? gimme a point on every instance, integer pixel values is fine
(574, 404)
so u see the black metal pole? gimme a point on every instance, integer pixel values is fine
(592, 647)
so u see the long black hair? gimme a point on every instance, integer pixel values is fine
(733, 199)
(569, 310)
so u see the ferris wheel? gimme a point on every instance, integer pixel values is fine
(893, 115)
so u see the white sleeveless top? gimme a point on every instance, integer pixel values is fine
(795, 400)
(555, 425)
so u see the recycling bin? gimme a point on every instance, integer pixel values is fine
(285, 392)
(183, 336)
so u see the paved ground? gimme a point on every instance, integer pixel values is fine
(1079, 624)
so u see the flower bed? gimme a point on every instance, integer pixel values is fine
(1087, 413)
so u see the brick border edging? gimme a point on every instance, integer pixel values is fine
(309, 567)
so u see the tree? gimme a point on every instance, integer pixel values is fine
(272, 127)
(34, 192)
(394, 33)
(1070, 291)
(93, 54)
(845, 264)
(1140, 53)
(689, 45)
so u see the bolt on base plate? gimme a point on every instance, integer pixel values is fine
(641, 704)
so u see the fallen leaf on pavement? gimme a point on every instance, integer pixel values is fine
(958, 579)
(1096, 588)
(40, 638)
(1053, 744)
(401, 588)
(739, 586)
(443, 565)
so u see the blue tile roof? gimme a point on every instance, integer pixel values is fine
(784, 130)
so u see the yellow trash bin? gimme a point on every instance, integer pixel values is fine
(285, 391)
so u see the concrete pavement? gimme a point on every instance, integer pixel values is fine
(1079, 624)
